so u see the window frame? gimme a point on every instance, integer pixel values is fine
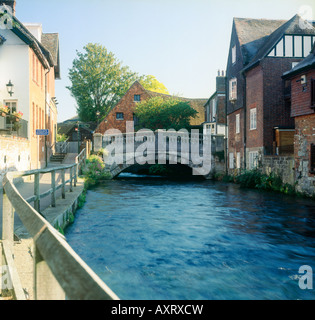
(231, 160)
(238, 123)
(233, 93)
(253, 160)
(253, 120)
(233, 54)
(138, 98)
(120, 118)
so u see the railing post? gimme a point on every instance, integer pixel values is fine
(71, 179)
(36, 192)
(63, 188)
(7, 221)
(75, 175)
(53, 187)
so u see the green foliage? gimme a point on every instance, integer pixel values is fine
(98, 81)
(152, 84)
(94, 171)
(61, 137)
(271, 182)
(158, 113)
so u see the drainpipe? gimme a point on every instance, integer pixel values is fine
(45, 113)
(226, 125)
(245, 120)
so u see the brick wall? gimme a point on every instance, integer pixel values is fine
(276, 113)
(127, 106)
(301, 95)
(255, 100)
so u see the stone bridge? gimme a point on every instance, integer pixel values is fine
(161, 147)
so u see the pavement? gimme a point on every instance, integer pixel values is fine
(24, 248)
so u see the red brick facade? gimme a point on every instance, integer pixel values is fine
(126, 106)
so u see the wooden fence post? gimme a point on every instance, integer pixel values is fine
(53, 187)
(71, 179)
(36, 192)
(63, 188)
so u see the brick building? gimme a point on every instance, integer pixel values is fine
(302, 78)
(258, 108)
(215, 108)
(124, 110)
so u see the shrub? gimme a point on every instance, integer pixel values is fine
(94, 171)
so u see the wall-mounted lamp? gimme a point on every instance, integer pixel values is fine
(10, 87)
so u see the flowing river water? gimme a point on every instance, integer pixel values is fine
(152, 238)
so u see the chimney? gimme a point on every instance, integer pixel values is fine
(9, 3)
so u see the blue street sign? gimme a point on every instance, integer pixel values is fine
(42, 132)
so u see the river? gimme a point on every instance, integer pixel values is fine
(152, 238)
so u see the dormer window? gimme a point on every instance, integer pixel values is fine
(291, 46)
(234, 54)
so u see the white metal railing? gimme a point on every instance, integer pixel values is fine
(59, 272)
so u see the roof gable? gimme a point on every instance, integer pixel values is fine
(295, 26)
(252, 33)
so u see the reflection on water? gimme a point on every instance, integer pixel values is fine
(152, 238)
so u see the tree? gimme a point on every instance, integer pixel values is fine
(151, 83)
(160, 113)
(98, 81)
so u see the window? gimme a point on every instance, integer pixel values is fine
(231, 160)
(137, 98)
(298, 46)
(233, 89)
(253, 119)
(288, 46)
(312, 93)
(312, 160)
(135, 120)
(294, 64)
(237, 123)
(253, 159)
(119, 116)
(214, 110)
(234, 54)
(238, 160)
(307, 43)
(12, 105)
(279, 49)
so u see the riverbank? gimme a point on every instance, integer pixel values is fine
(254, 179)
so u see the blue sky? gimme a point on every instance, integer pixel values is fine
(181, 42)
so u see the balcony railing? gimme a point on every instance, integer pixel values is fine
(11, 125)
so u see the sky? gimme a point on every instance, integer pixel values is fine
(183, 43)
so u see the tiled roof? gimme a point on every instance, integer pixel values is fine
(252, 33)
(51, 42)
